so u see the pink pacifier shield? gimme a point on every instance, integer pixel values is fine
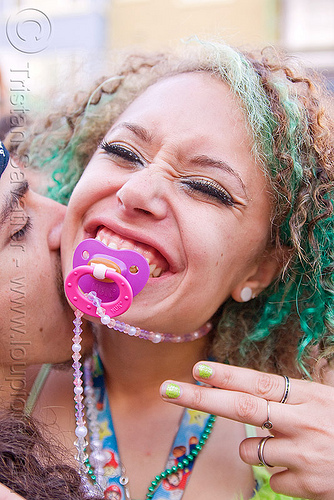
(115, 288)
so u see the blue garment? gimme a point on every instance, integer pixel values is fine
(4, 158)
(189, 433)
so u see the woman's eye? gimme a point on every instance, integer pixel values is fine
(19, 234)
(121, 152)
(210, 189)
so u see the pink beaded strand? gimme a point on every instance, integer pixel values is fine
(134, 331)
(99, 457)
(80, 430)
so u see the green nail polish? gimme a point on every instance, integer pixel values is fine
(172, 391)
(204, 371)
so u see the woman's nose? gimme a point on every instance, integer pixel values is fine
(144, 193)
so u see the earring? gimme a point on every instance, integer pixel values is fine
(246, 294)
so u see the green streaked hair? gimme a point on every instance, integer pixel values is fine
(293, 137)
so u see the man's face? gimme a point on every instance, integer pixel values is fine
(36, 321)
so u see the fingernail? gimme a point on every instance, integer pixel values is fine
(172, 391)
(204, 371)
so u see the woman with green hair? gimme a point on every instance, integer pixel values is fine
(216, 165)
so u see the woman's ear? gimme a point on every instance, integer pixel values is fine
(261, 275)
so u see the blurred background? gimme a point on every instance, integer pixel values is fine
(48, 46)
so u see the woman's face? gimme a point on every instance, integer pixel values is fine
(175, 179)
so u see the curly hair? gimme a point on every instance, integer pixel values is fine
(287, 112)
(35, 467)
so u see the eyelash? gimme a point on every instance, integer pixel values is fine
(121, 152)
(211, 189)
(21, 233)
(206, 187)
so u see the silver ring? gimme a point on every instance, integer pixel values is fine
(260, 448)
(286, 389)
(267, 424)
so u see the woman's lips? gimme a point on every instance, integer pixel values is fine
(158, 264)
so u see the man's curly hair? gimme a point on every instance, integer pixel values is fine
(288, 112)
(33, 466)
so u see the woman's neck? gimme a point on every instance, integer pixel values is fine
(132, 363)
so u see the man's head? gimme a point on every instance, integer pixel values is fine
(36, 321)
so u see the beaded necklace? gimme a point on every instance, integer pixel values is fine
(134, 331)
(93, 466)
(193, 432)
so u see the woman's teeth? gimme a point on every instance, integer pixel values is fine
(116, 243)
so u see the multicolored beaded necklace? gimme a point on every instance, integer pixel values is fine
(103, 466)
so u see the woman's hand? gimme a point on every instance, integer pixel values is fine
(303, 427)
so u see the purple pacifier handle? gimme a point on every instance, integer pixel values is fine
(115, 275)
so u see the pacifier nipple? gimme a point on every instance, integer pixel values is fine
(99, 271)
(115, 276)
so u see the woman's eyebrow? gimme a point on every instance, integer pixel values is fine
(138, 130)
(201, 160)
(12, 199)
(206, 161)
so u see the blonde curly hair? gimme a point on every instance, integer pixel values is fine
(286, 108)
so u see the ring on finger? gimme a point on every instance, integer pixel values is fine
(260, 449)
(267, 424)
(286, 389)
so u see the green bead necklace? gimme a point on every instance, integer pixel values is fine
(181, 465)
(90, 472)
(167, 472)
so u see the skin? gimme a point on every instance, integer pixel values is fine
(147, 202)
(299, 426)
(7, 494)
(153, 199)
(150, 203)
(36, 319)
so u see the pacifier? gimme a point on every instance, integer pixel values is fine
(115, 276)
